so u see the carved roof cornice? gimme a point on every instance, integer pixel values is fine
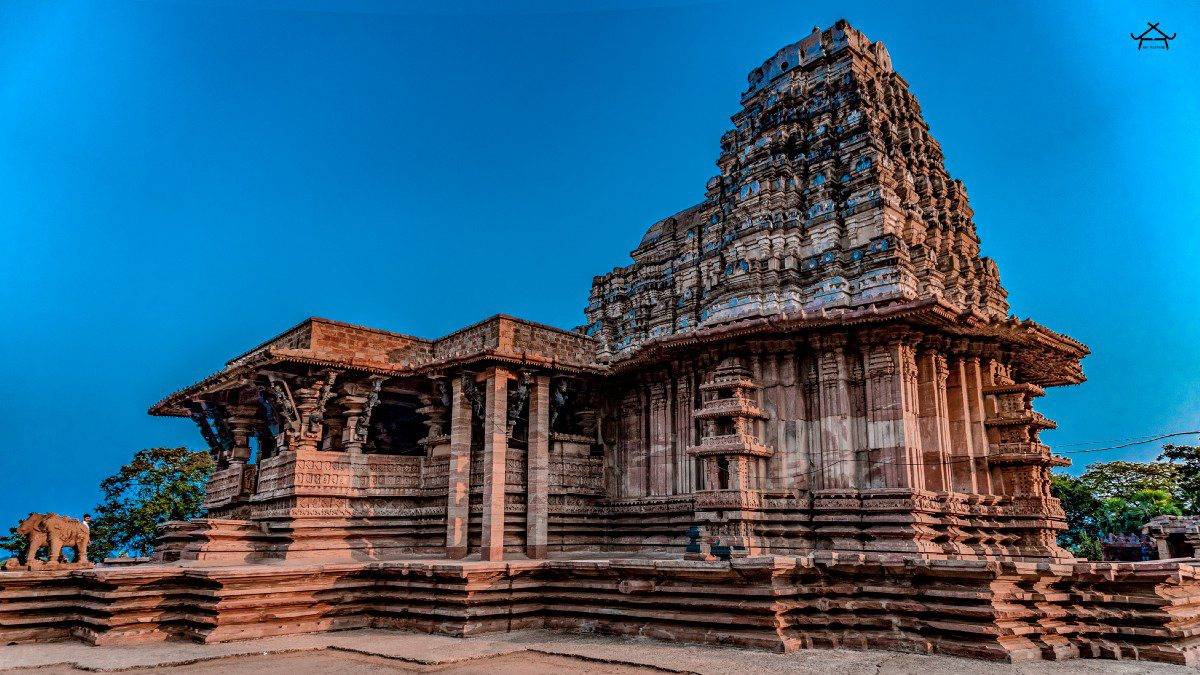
(1044, 357)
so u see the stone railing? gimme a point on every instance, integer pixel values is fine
(339, 474)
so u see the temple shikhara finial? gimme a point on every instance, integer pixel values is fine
(805, 392)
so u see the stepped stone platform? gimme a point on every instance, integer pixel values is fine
(996, 610)
(516, 652)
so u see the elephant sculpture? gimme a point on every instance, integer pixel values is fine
(54, 531)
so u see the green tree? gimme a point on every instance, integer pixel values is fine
(1118, 515)
(1123, 479)
(157, 485)
(14, 543)
(1186, 459)
(1089, 547)
(1081, 507)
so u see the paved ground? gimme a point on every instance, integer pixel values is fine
(375, 651)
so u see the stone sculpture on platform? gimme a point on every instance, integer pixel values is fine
(55, 532)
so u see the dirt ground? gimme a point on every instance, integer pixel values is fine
(378, 651)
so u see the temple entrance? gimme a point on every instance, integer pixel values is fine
(396, 426)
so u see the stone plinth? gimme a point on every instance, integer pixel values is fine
(1006, 611)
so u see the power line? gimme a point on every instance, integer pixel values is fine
(1142, 441)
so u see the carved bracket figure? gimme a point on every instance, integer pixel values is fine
(285, 405)
(196, 412)
(317, 416)
(363, 425)
(561, 396)
(518, 397)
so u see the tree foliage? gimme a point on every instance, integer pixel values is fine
(1118, 515)
(1124, 479)
(1186, 460)
(1081, 507)
(1120, 497)
(157, 485)
(14, 543)
(1089, 547)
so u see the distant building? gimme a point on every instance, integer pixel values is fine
(1174, 536)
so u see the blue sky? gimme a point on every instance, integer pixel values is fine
(180, 180)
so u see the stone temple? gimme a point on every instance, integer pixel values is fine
(801, 417)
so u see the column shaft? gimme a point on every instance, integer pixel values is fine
(495, 451)
(459, 475)
(538, 463)
(892, 411)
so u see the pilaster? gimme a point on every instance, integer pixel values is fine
(837, 452)
(893, 409)
(974, 397)
(660, 438)
(933, 420)
(958, 412)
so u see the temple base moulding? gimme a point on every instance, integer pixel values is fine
(1006, 611)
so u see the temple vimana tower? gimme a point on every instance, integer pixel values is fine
(805, 395)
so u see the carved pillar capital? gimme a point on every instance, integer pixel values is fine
(357, 401)
(311, 397)
(242, 421)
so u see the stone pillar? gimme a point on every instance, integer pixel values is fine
(685, 468)
(837, 451)
(283, 411)
(962, 453)
(933, 421)
(632, 444)
(538, 464)
(495, 452)
(356, 402)
(459, 474)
